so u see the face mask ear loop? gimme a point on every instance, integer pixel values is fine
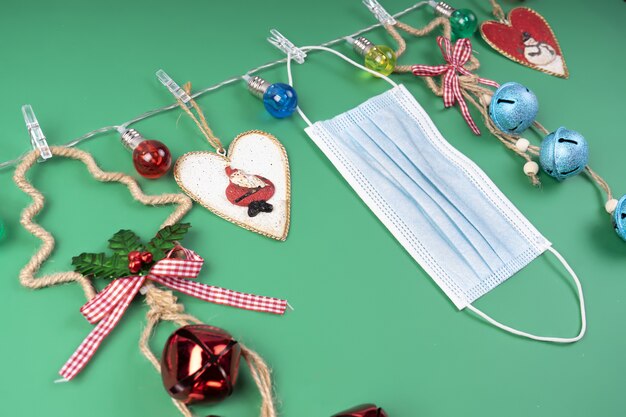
(583, 316)
(290, 79)
(340, 55)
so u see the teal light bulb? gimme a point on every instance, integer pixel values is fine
(463, 23)
(2, 230)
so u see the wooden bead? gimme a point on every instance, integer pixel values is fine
(610, 206)
(531, 168)
(522, 144)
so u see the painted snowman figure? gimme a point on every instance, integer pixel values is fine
(538, 53)
(542, 54)
(248, 190)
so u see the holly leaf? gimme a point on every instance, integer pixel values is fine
(98, 265)
(166, 239)
(125, 241)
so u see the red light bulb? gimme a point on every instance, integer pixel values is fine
(152, 159)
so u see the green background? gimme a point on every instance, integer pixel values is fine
(369, 324)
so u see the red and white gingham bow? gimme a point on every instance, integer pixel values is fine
(455, 57)
(110, 304)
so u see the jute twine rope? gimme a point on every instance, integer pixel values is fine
(201, 122)
(478, 95)
(163, 304)
(496, 10)
(27, 274)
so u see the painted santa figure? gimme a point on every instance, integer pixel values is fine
(248, 190)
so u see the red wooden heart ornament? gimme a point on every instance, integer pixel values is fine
(526, 38)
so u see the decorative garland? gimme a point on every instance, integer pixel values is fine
(251, 195)
(135, 267)
(563, 153)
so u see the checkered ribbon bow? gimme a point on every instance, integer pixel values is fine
(455, 57)
(109, 305)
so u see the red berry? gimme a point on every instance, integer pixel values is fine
(146, 257)
(134, 266)
(134, 256)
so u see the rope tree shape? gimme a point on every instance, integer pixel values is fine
(163, 305)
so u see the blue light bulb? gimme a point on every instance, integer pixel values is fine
(279, 99)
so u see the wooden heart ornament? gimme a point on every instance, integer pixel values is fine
(526, 38)
(250, 187)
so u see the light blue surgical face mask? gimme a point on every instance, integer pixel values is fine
(444, 210)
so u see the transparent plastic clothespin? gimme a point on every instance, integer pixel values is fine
(379, 11)
(37, 138)
(285, 45)
(174, 88)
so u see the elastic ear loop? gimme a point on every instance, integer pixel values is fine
(340, 55)
(583, 315)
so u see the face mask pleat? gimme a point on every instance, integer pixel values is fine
(417, 179)
(423, 174)
(432, 206)
(436, 199)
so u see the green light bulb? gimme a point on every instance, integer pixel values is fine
(463, 23)
(381, 58)
(2, 229)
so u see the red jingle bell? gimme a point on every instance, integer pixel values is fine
(366, 410)
(200, 363)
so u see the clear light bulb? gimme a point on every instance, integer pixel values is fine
(379, 58)
(152, 159)
(279, 99)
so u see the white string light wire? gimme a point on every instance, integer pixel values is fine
(213, 87)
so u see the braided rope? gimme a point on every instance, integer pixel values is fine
(496, 10)
(201, 121)
(164, 307)
(163, 304)
(27, 274)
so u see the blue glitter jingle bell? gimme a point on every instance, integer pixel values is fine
(619, 218)
(513, 108)
(564, 153)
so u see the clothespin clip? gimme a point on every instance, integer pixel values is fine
(285, 45)
(174, 88)
(37, 138)
(379, 11)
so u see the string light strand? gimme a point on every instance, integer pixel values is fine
(151, 113)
